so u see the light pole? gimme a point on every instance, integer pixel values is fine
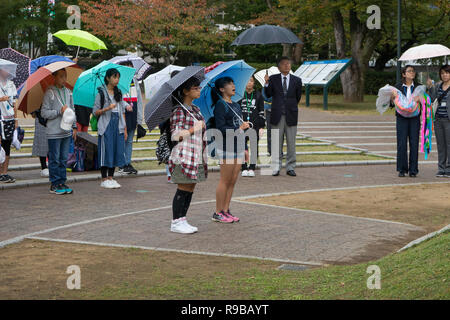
(399, 38)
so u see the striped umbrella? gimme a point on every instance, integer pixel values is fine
(23, 64)
(33, 91)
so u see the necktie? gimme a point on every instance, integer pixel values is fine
(285, 89)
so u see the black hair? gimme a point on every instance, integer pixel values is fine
(110, 73)
(219, 84)
(445, 68)
(404, 71)
(187, 85)
(282, 59)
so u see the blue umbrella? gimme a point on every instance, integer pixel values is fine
(85, 89)
(46, 60)
(238, 70)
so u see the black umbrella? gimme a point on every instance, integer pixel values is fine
(266, 34)
(160, 106)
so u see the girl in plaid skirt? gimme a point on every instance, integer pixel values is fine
(187, 162)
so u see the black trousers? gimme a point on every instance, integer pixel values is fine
(269, 132)
(408, 131)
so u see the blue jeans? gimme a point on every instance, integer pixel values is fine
(129, 147)
(58, 150)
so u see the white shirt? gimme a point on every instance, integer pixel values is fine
(7, 107)
(288, 77)
(408, 90)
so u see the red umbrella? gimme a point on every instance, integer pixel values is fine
(213, 66)
(33, 91)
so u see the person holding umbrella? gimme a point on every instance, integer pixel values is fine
(187, 161)
(8, 117)
(58, 109)
(232, 153)
(109, 108)
(441, 93)
(286, 92)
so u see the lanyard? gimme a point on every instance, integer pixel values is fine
(63, 100)
(246, 102)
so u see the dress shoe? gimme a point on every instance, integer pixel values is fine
(413, 175)
(291, 173)
(401, 174)
(276, 173)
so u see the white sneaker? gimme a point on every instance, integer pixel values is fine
(179, 226)
(245, 173)
(107, 184)
(44, 173)
(184, 220)
(115, 184)
(251, 173)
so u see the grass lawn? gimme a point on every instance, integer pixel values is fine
(337, 105)
(36, 270)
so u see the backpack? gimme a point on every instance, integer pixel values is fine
(165, 144)
(94, 119)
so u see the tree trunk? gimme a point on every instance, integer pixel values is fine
(297, 56)
(362, 45)
(287, 50)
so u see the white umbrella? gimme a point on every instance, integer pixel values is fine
(9, 67)
(425, 51)
(154, 81)
(262, 73)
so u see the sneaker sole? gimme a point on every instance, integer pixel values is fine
(217, 220)
(181, 232)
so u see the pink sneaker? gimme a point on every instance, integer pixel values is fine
(229, 215)
(221, 217)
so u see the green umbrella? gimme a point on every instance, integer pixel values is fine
(80, 38)
(86, 86)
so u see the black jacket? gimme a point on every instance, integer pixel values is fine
(290, 102)
(255, 106)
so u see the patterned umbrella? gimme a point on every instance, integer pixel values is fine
(142, 67)
(32, 94)
(23, 64)
(160, 106)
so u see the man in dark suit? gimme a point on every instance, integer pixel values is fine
(286, 92)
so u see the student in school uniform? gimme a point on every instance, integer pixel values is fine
(110, 110)
(252, 105)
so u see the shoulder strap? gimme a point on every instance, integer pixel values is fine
(102, 97)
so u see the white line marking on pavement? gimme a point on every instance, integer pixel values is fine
(20, 238)
(326, 213)
(349, 122)
(205, 253)
(425, 237)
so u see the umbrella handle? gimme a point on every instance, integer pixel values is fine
(78, 51)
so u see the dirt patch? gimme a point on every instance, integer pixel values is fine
(426, 206)
(37, 270)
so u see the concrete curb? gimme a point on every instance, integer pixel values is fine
(425, 238)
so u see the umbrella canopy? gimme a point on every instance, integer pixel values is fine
(32, 93)
(238, 70)
(46, 60)
(262, 73)
(142, 67)
(85, 89)
(9, 67)
(23, 64)
(154, 81)
(425, 51)
(160, 106)
(80, 38)
(266, 34)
